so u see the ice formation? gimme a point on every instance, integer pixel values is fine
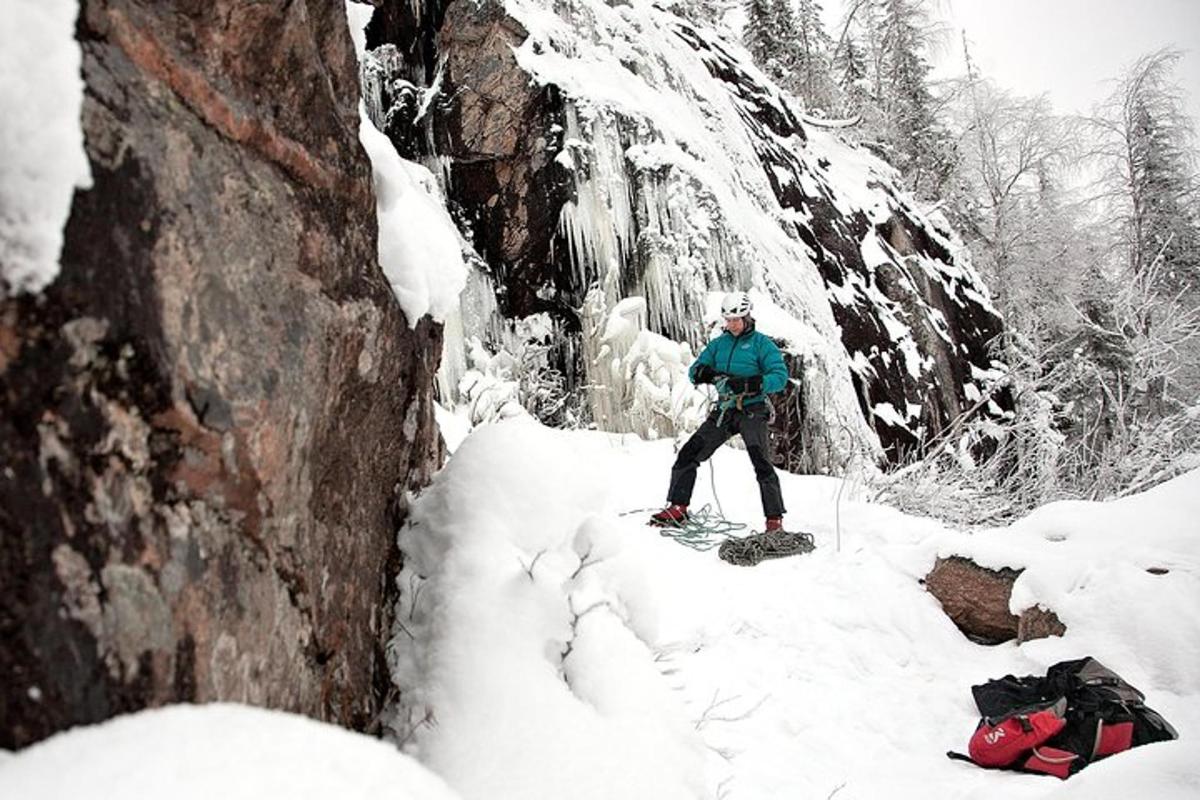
(684, 172)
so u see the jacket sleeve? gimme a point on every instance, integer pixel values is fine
(707, 356)
(774, 371)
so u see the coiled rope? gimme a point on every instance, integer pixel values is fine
(749, 550)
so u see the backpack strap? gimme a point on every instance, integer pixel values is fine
(1051, 761)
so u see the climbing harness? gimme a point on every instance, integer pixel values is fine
(727, 400)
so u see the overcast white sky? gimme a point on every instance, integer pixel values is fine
(1070, 49)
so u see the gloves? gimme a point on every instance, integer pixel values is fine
(704, 374)
(751, 385)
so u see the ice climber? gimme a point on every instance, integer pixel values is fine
(744, 366)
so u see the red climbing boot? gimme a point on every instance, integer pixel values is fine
(672, 516)
(774, 524)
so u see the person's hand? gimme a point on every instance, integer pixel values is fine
(705, 374)
(751, 385)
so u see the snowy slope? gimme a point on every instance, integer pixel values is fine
(553, 646)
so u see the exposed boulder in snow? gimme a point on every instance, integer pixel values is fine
(977, 600)
(209, 419)
(623, 149)
(1038, 623)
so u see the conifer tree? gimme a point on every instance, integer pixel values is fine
(792, 49)
(782, 64)
(853, 81)
(812, 57)
(922, 148)
(1146, 142)
(883, 75)
(1160, 178)
(759, 33)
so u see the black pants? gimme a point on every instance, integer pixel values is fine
(751, 423)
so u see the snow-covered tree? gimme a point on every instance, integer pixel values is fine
(1150, 181)
(1102, 332)
(789, 43)
(812, 56)
(1149, 190)
(1007, 197)
(850, 68)
(882, 69)
(710, 12)
(857, 60)
(759, 33)
(922, 148)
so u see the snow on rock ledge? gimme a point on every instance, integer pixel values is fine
(41, 140)
(419, 247)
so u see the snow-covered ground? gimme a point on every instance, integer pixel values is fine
(552, 646)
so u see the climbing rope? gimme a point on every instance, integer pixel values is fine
(702, 530)
(749, 550)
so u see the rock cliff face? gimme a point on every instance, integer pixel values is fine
(209, 421)
(596, 152)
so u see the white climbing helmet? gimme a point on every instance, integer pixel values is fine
(736, 304)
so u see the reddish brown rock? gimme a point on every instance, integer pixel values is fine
(1038, 623)
(977, 600)
(209, 421)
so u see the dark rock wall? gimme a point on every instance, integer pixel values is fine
(920, 285)
(209, 421)
(497, 131)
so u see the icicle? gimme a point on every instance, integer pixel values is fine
(379, 73)
(598, 225)
(477, 312)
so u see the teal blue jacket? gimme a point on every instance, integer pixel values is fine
(744, 356)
